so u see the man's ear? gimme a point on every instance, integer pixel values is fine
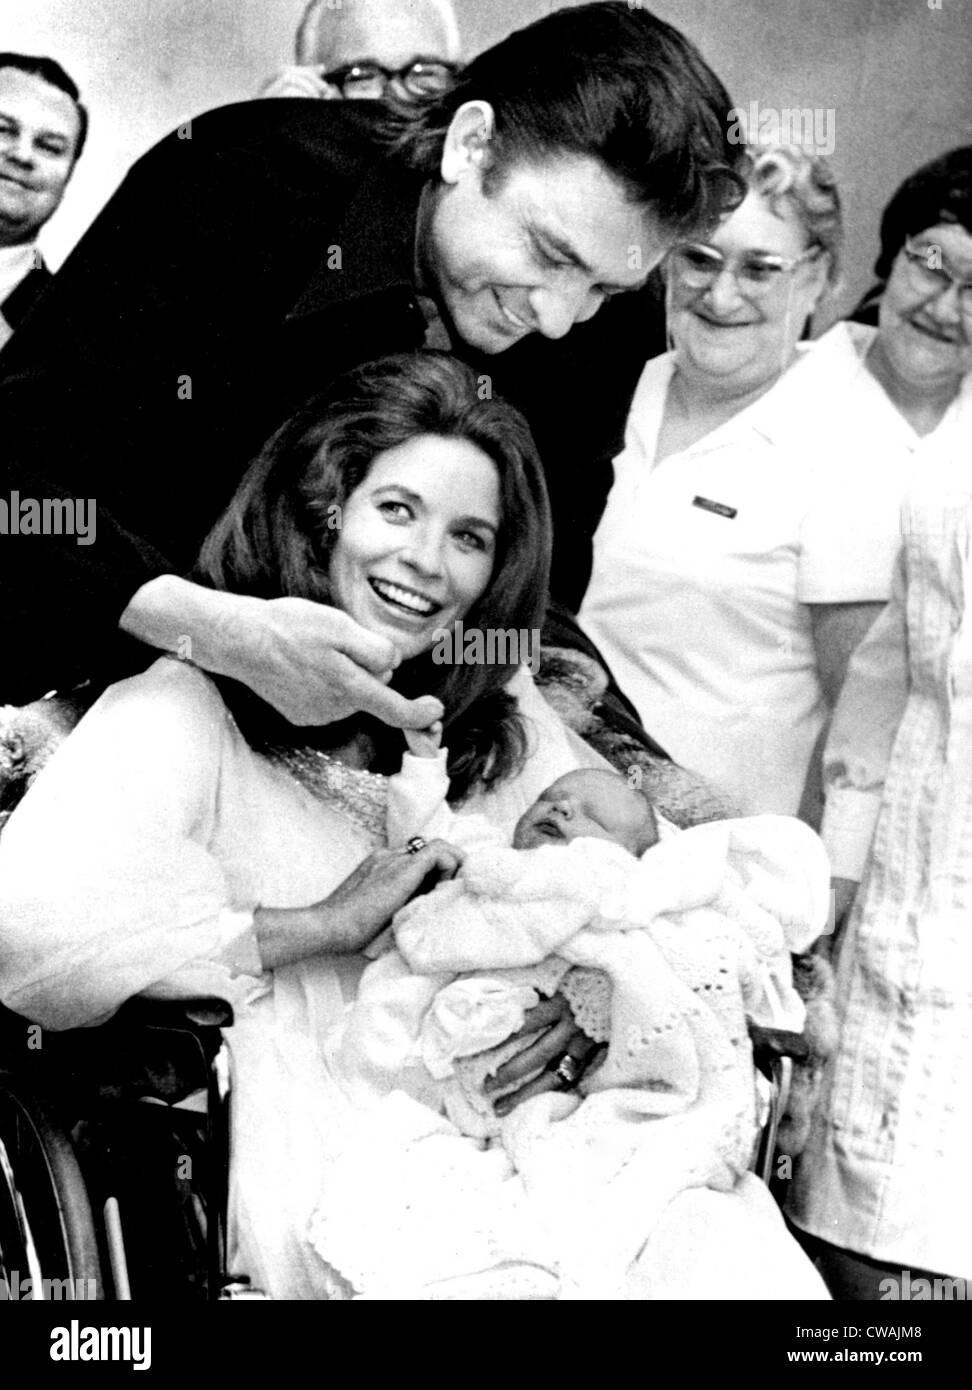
(467, 140)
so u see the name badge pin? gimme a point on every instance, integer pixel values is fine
(720, 508)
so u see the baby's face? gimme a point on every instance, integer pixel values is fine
(588, 802)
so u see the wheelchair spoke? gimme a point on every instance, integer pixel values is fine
(46, 1233)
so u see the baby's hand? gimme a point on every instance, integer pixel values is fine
(424, 743)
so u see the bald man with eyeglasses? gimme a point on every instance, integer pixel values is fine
(363, 49)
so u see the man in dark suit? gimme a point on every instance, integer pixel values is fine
(263, 248)
(43, 127)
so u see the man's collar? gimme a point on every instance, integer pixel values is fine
(14, 259)
(374, 247)
(20, 291)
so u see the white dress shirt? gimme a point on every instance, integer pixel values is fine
(16, 263)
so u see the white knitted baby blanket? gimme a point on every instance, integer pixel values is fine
(564, 1204)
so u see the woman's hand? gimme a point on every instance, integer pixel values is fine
(358, 909)
(300, 81)
(389, 878)
(562, 1039)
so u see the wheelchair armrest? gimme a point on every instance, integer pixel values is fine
(191, 1015)
(163, 1048)
(772, 1044)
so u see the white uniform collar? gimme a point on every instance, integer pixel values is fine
(771, 415)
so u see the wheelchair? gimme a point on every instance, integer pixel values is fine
(114, 1147)
(114, 1157)
(114, 1154)
(114, 1140)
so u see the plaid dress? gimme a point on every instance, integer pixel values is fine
(886, 1171)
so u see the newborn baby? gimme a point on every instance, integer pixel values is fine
(496, 927)
(590, 802)
(473, 1017)
(663, 942)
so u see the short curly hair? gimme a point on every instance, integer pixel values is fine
(807, 182)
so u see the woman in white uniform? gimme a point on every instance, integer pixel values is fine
(883, 1182)
(750, 535)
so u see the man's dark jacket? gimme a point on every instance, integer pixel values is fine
(244, 261)
(25, 296)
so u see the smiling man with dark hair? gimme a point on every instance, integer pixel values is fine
(43, 127)
(248, 259)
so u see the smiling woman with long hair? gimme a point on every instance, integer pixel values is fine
(286, 534)
(184, 839)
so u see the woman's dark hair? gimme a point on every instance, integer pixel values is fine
(277, 536)
(54, 75)
(940, 191)
(608, 81)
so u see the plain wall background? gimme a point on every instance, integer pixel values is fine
(896, 73)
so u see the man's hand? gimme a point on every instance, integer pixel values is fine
(313, 664)
(562, 1039)
(316, 665)
(297, 81)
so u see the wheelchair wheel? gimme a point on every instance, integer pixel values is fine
(46, 1231)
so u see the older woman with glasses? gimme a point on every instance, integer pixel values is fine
(751, 530)
(883, 1184)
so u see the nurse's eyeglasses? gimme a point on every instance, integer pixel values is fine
(756, 273)
(422, 78)
(929, 276)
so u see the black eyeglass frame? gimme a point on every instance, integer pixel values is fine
(368, 72)
(917, 256)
